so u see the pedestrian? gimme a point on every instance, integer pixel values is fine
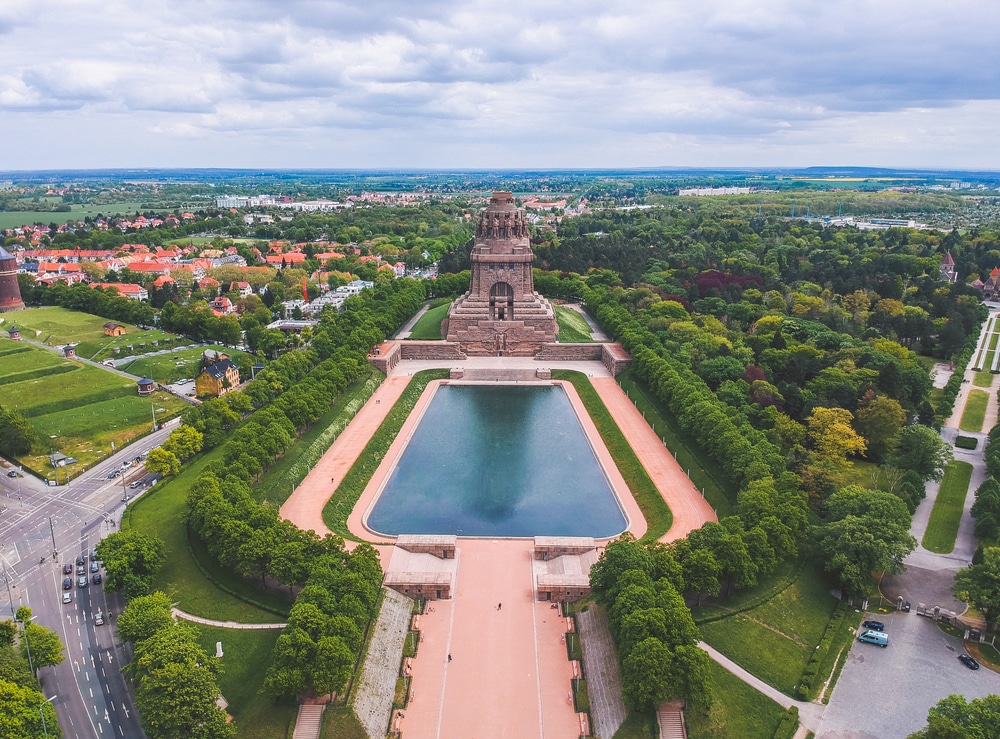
(449, 656)
(499, 606)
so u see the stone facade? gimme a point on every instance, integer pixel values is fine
(501, 314)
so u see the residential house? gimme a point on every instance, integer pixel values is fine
(113, 329)
(217, 379)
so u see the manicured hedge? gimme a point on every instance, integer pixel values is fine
(966, 442)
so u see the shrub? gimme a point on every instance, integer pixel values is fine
(966, 442)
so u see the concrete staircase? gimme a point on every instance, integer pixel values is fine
(309, 721)
(670, 716)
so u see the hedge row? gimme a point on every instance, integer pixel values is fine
(789, 724)
(966, 442)
(954, 385)
(807, 684)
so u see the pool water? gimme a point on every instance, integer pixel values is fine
(498, 461)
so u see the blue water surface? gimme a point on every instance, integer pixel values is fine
(498, 461)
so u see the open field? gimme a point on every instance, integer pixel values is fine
(573, 329)
(428, 328)
(738, 710)
(775, 640)
(942, 528)
(246, 658)
(16, 218)
(975, 411)
(58, 326)
(166, 368)
(75, 409)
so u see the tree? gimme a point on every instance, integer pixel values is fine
(19, 713)
(144, 616)
(186, 441)
(879, 422)
(621, 555)
(131, 560)
(17, 435)
(921, 449)
(855, 547)
(46, 648)
(163, 462)
(833, 436)
(953, 718)
(646, 674)
(701, 573)
(179, 700)
(979, 584)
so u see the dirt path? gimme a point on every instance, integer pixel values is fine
(508, 674)
(690, 509)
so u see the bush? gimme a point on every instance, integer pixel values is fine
(789, 724)
(966, 442)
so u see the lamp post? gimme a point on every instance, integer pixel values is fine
(41, 713)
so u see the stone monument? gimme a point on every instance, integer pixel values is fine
(501, 315)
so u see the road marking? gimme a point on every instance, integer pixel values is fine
(92, 694)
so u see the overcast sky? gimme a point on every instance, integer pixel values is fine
(527, 83)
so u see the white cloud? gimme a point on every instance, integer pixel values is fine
(523, 83)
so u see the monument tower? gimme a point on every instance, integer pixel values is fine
(501, 314)
(10, 291)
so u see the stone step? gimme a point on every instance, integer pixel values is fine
(309, 721)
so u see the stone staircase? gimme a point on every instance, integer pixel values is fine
(309, 721)
(670, 716)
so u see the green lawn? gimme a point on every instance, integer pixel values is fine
(975, 411)
(942, 528)
(737, 711)
(775, 640)
(246, 658)
(983, 379)
(654, 508)
(705, 474)
(191, 576)
(428, 327)
(76, 409)
(166, 368)
(58, 326)
(13, 219)
(339, 722)
(573, 328)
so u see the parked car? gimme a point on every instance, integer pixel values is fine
(67, 569)
(79, 561)
(874, 625)
(93, 556)
(874, 637)
(98, 619)
(67, 597)
(81, 582)
(968, 661)
(68, 583)
(96, 578)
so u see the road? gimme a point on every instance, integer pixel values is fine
(92, 698)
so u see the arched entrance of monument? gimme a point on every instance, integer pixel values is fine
(501, 302)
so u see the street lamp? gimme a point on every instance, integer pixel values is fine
(41, 713)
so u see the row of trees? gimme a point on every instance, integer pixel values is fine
(176, 680)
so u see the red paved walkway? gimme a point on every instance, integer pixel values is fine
(509, 675)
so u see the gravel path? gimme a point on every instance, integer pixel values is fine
(600, 668)
(373, 699)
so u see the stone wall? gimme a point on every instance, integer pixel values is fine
(570, 352)
(431, 350)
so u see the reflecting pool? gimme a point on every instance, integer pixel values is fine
(501, 460)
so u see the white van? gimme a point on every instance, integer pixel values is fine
(874, 637)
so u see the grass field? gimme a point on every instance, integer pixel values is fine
(192, 576)
(75, 409)
(15, 218)
(246, 658)
(165, 368)
(738, 710)
(983, 379)
(705, 474)
(428, 328)
(58, 326)
(975, 411)
(942, 528)
(573, 328)
(775, 640)
(339, 722)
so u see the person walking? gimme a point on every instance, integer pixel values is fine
(499, 606)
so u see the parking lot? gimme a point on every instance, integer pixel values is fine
(886, 693)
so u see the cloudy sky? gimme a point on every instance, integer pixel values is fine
(525, 83)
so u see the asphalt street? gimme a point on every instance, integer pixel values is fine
(92, 698)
